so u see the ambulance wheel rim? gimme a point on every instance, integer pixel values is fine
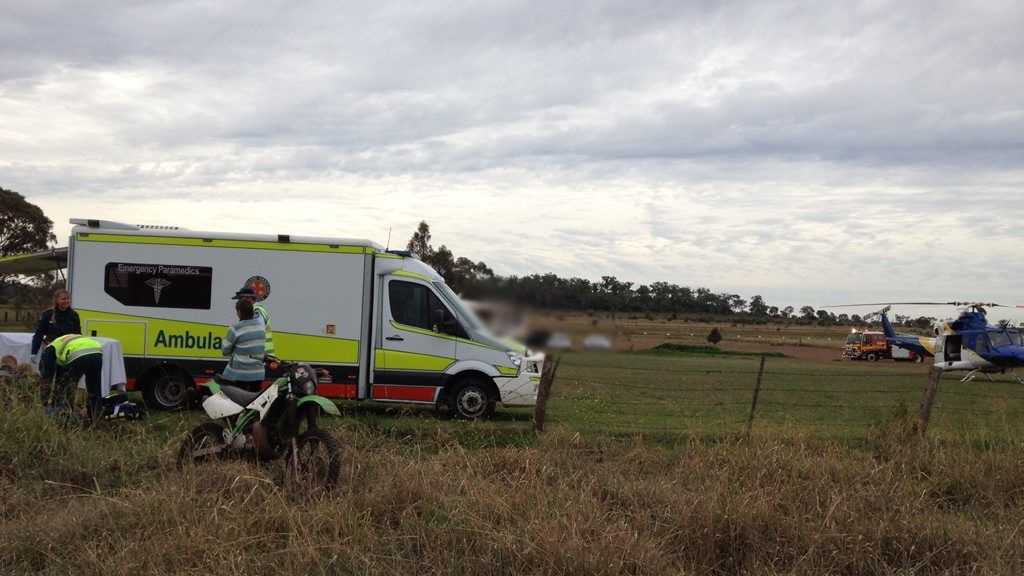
(169, 392)
(471, 401)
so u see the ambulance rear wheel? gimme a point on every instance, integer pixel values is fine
(166, 389)
(470, 400)
(872, 357)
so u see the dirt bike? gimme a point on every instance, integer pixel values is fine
(278, 423)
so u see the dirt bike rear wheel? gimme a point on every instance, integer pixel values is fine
(201, 444)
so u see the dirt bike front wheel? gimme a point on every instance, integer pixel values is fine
(312, 463)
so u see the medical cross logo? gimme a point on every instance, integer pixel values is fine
(157, 284)
(259, 285)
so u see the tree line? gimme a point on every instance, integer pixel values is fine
(475, 280)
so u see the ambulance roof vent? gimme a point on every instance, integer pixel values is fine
(111, 225)
(103, 224)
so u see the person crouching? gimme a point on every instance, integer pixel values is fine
(244, 344)
(64, 362)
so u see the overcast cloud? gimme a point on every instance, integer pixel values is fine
(811, 152)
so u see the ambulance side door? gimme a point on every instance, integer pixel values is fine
(414, 352)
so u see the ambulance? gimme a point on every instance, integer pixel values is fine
(381, 324)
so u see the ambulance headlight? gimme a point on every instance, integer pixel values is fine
(515, 358)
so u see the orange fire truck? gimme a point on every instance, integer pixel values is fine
(870, 346)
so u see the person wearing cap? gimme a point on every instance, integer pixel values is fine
(249, 295)
(244, 345)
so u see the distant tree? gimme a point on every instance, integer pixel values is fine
(443, 261)
(843, 319)
(923, 322)
(856, 319)
(757, 306)
(23, 226)
(419, 244)
(464, 276)
(807, 313)
(468, 275)
(715, 336)
(773, 311)
(787, 311)
(733, 303)
(642, 298)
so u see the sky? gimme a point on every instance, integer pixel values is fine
(811, 152)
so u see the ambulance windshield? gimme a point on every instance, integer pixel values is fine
(463, 311)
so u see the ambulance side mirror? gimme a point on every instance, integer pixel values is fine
(437, 317)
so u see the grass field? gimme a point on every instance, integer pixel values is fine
(644, 470)
(702, 395)
(673, 397)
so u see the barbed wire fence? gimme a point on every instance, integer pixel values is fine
(672, 403)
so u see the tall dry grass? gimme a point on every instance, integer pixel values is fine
(109, 502)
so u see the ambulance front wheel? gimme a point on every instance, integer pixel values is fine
(166, 388)
(471, 399)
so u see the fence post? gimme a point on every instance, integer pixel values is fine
(757, 392)
(547, 379)
(934, 375)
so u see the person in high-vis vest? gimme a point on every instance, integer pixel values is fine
(248, 294)
(64, 362)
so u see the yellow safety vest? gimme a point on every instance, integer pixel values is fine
(268, 346)
(71, 347)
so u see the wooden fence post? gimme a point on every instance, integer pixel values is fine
(934, 375)
(547, 379)
(757, 392)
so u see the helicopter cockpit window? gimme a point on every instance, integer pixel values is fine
(999, 339)
(1015, 339)
(981, 345)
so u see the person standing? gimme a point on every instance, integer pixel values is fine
(244, 344)
(64, 361)
(249, 295)
(59, 320)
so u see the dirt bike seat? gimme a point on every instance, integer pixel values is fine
(239, 396)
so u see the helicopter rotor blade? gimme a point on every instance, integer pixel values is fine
(981, 304)
(893, 304)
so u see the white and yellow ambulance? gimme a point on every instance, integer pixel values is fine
(382, 323)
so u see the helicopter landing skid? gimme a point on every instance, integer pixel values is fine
(974, 373)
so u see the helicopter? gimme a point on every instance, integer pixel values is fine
(968, 343)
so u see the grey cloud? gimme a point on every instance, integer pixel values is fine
(776, 143)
